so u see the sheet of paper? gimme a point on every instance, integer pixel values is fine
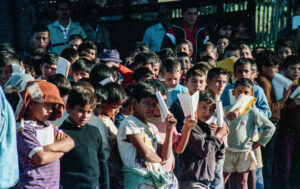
(17, 69)
(162, 106)
(279, 83)
(194, 102)
(213, 119)
(185, 102)
(297, 91)
(244, 102)
(295, 22)
(63, 66)
(107, 80)
(45, 136)
(220, 114)
(231, 97)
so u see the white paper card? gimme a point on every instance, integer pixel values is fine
(220, 114)
(295, 22)
(17, 69)
(213, 119)
(231, 97)
(296, 92)
(162, 106)
(107, 80)
(243, 102)
(63, 66)
(45, 136)
(279, 83)
(189, 104)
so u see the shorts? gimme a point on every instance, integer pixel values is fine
(237, 162)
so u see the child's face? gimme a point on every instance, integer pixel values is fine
(217, 84)
(293, 72)
(196, 83)
(270, 71)
(80, 115)
(171, 79)
(92, 53)
(205, 111)
(145, 108)
(221, 45)
(48, 70)
(183, 48)
(5, 74)
(185, 63)
(75, 43)
(40, 111)
(156, 69)
(284, 52)
(157, 112)
(111, 110)
(244, 71)
(241, 89)
(80, 75)
(246, 53)
(236, 54)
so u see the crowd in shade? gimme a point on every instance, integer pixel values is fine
(188, 108)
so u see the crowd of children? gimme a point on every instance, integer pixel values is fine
(100, 124)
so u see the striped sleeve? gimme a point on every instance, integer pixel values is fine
(28, 143)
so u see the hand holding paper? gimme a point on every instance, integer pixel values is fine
(189, 104)
(220, 113)
(189, 122)
(279, 83)
(170, 122)
(243, 102)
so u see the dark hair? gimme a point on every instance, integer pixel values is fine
(49, 58)
(39, 27)
(204, 66)
(232, 47)
(188, 4)
(101, 93)
(129, 90)
(115, 93)
(84, 84)
(62, 83)
(208, 45)
(62, 2)
(83, 64)
(158, 86)
(245, 82)
(7, 47)
(143, 90)
(242, 62)
(166, 53)
(206, 59)
(139, 47)
(12, 95)
(69, 54)
(99, 73)
(86, 46)
(6, 58)
(266, 58)
(170, 66)
(144, 59)
(35, 61)
(258, 50)
(215, 72)
(75, 37)
(140, 73)
(194, 71)
(285, 43)
(184, 42)
(81, 96)
(291, 60)
(182, 54)
(207, 96)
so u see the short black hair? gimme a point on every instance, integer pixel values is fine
(188, 4)
(62, 2)
(266, 58)
(83, 64)
(170, 66)
(158, 86)
(144, 59)
(75, 37)
(35, 60)
(194, 71)
(40, 27)
(87, 45)
(143, 90)
(245, 82)
(207, 96)
(215, 72)
(129, 90)
(232, 47)
(49, 58)
(99, 73)
(6, 58)
(81, 96)
(101, 93)
(182, 54)
(140, 73)
(115, 93)
(62, 83)
(69, 53)
(7, 47)
(242, 62)
(12, 96)
(288, 43)
(166, 53)
(291, 60)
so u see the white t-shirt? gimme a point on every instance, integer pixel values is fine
(132, 125)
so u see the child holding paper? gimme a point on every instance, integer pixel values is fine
(39, 158)
(141, 149)
(239, 155)
(198, 161)
(287, 150)
(179, 139)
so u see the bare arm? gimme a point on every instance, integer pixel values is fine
(63, 143)
(167, 146)
(43, 157)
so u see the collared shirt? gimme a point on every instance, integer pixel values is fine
(153, 36)
(100, 35)
(66, 30)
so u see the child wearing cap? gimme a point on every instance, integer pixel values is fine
(39, 159)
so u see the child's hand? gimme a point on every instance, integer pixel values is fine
(255, 145)
(287, 93)
(234, 114)
(213, 127)
(59, 135)
(170, 122)
(295, 102)
(189, 122)
(222, 132)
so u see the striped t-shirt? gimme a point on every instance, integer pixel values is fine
(32, 175)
